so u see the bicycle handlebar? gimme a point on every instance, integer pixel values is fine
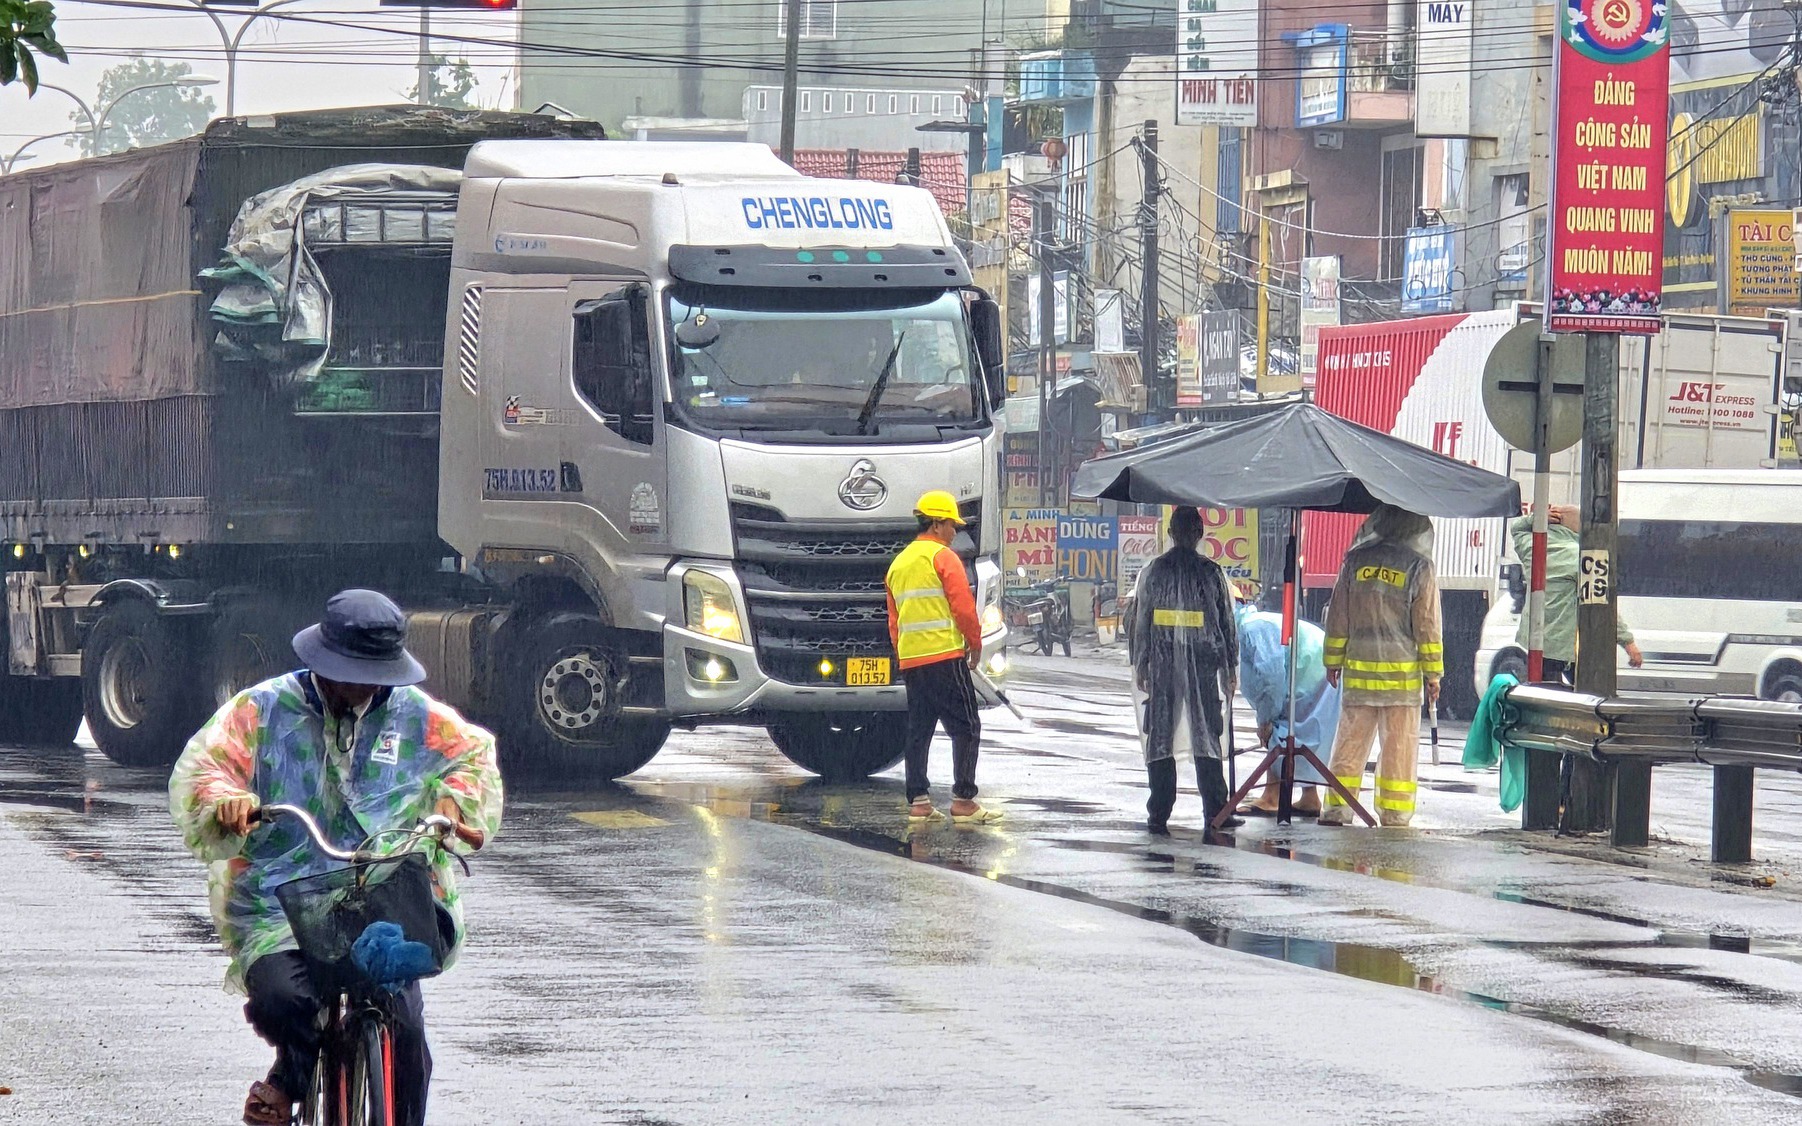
(433, 825)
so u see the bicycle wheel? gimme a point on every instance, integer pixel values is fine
(372, 1075)
(317, 1105)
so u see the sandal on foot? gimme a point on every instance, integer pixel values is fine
(923, 811)
(267, 1105)
(977, 816)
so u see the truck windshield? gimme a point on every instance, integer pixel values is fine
(837, 370)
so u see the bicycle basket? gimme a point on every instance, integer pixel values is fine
(330, 911)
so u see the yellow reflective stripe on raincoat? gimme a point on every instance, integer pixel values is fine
(1397, 784)
(1194, 619)
(923, 622)
(1382, 666)
(1351, 782)
(1410, 684)
(1396, 805)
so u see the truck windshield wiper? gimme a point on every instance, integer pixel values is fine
(888, 369)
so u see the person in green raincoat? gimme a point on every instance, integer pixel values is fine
(354, 742)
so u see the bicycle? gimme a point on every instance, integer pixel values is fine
(331, 913)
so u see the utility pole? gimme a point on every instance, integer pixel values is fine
(791, 75)
(1148, 256)
(1263, 368)
(424, 94)
(1042, 220)
(1586, 806)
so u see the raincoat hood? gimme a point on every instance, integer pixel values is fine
(1398, 526)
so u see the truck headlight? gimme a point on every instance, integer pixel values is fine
(991, 618)
(708, 601)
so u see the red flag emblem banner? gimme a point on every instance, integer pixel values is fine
(1605, 244)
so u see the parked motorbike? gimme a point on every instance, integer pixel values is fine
(1041, 610)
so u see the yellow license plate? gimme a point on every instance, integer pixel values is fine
(865, 672)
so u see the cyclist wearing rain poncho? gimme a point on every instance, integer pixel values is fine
(1185, 644)
(1383, 648)
(353, 742)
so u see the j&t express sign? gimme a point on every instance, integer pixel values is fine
(1606, 228)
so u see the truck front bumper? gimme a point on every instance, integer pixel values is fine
(706, 677)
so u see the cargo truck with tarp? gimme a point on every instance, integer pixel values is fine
(629, 429)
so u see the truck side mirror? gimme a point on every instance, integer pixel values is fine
(991, 345)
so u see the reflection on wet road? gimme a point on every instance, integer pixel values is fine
(721, 938)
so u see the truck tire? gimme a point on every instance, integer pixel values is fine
(250, 642)
(1784, 684)
(562, 696)
(842, 747)
(140, 686)
(39, 712)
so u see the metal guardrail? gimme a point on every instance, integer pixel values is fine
(1630, 734)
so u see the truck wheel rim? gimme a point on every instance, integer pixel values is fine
(573, 694)
(123, 672)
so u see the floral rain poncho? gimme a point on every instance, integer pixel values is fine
(277, 742)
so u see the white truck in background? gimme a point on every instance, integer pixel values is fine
(1704, 393)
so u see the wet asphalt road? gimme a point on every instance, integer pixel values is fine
(722, 939)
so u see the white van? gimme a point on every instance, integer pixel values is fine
(1709, 576)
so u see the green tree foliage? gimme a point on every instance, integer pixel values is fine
(27, 29)
(452, 85)
(146, 117)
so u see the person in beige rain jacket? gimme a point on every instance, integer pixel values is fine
(1383, 648)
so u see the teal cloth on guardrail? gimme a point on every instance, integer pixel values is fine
(1484, 745)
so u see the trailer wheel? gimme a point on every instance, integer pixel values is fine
(1784, 684)
(842, 747)
(40, 712)
(250, 642)
(140, 686)
(562, 716)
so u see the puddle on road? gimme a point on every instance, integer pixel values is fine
(1379, 965)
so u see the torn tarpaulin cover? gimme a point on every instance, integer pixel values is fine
(276, 302)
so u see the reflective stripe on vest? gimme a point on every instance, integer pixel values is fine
(922, 612)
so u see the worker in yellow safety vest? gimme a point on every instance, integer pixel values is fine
(938, 640)
(1383, 649)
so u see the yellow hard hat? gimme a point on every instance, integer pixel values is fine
(940, 505)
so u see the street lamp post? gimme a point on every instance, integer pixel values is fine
(232, 41)
(97, 121)
(7, 163)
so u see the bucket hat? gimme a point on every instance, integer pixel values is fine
(360, 640)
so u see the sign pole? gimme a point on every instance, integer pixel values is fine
(1586, 806)
(1542, 492)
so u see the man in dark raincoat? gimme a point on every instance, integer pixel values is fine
(1185, 663)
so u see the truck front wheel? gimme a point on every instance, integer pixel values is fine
(840, 747)
(566, 688)
(140, 686)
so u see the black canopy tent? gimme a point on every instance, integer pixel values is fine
(1298, 458)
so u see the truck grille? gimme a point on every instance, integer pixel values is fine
(814, 589)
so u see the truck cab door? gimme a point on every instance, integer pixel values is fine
(569, 448)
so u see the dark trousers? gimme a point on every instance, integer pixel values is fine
(1560, 672)
(1210, 779)
(284, 1009)
(941, 693)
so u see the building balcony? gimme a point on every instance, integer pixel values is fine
(1352, 79)
(1056, 78)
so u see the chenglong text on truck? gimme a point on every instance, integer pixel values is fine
(1701, 393)
(632, 430)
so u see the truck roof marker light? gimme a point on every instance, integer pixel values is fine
(18, 551)
(841, 256)
(175, 551)
(872, 256)
(804, 256)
